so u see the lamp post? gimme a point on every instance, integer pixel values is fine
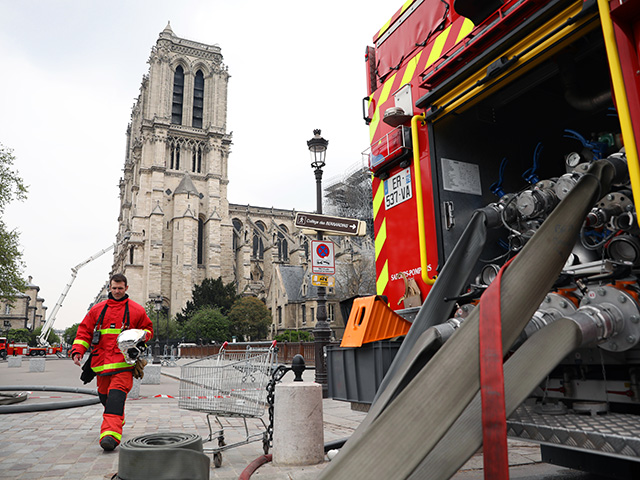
(321, 331)
(157, 306)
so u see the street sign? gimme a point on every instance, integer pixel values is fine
(323, 281)
(334, 225)
(322, 257)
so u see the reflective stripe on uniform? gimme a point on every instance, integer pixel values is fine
(111, 366)
(116, 435)
(81, 342)
(113, 331)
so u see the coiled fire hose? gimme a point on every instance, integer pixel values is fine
(163, 456)
(405, 432)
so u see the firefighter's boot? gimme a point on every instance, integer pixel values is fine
(113, 420)
(108, 443)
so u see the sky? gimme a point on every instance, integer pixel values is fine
(71, 71)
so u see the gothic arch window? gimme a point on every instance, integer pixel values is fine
(283, 245)
(196, 160)
(258, 244)
(131, 251)
(200, 241)
(237, 234)
(174, 157)
(198, 99)
(178, 96)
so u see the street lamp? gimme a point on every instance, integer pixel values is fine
(157, 306)
(321, 331)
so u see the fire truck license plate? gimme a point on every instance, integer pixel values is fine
(397, 189)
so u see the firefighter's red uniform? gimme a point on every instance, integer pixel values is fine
(114, 375)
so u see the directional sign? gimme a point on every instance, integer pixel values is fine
(335, 225)
(323, 281)
(322, 257)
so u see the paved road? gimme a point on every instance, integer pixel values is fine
(62, 444)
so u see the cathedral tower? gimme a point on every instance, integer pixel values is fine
(174, 215)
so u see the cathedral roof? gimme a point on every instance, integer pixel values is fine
(186, 186)
(292, 278)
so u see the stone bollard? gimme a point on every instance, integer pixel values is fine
(134, 393)
(15, 362)
(152, 375)
(298, 435)
(36, 364)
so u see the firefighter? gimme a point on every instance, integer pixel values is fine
(99, 331)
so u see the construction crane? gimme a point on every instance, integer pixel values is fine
(42, 338)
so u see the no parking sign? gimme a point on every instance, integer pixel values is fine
(322, 257)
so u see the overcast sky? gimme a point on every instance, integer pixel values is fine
(71, 71)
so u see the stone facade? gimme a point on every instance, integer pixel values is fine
(176, 227)
(26, 311)
(174, 221)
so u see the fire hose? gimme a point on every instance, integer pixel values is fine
(163, 456)
(38, 407)
(436, 396)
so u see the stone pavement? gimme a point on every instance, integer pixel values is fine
(63, 443)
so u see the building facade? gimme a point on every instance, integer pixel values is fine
(26, 311)
(176, 226)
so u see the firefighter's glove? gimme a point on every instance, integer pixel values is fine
(138, 368)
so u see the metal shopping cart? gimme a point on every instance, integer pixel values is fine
(229, 384)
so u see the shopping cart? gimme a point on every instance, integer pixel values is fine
(229, 384)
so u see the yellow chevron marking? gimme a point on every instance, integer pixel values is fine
(384, 95)
(381, 237)
(383, 279)
(411, 68)
(378, 199)
(467, 26)
(438, 45)
(388, 24)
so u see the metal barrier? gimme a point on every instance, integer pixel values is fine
(286, 350)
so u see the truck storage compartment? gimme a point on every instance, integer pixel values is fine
(354, 374)
(531, 127)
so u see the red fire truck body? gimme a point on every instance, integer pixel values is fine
(497, 110)
(429, 59)
(22, 348)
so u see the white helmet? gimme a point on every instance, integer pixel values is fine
(131, 344)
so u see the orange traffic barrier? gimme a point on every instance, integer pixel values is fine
(371, 320)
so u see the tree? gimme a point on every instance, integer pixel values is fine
(11, 264)
(52, 338)
(352, 197)
(294, 336)
(356, 274)
(163, 326)
(70, 333)
(250, 319)
(19, 335)
(208, 324)
(210, 293)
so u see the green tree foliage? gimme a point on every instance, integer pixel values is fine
(19, 335)
(207, 324)
(294, 336)
(11, 264)
(250, 319)
(210, 293)
(162, 324)
(52, 338)
(70, 333)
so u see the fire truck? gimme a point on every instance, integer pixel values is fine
(506, 182)
(22, 348)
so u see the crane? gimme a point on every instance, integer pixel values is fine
(42, 338)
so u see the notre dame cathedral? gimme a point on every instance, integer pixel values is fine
(176, 226)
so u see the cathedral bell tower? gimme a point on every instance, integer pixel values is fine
(174, 213)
